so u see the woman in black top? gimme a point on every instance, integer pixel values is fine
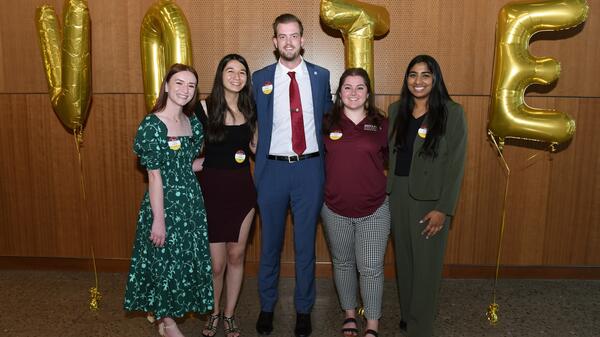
(226, 182)
(428, 139)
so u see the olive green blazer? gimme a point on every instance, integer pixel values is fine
(436, 179)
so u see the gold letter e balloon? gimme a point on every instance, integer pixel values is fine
(66, 60)
(515, 69)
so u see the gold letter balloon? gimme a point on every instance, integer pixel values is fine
(515, 69)
(359, 24)
(66, 60)
(165, 40)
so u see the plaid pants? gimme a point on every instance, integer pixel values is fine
(358, 244)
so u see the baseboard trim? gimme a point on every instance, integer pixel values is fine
(522, 272)
(63, 263)
(323, 269)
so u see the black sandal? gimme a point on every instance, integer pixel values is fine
(350, 332)
(211, 325)
(371, 332)
(231, 325)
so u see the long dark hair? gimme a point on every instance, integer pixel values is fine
(436, 108)
(217, 105)
(161, 101)
(331, 120)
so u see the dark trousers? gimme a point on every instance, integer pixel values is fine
(419, 260)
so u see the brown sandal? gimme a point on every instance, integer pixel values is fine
(211, 325)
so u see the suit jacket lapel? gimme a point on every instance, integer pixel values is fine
(269, 110)
(314, 82)
(317, 107)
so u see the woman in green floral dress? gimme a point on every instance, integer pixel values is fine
(170, 272)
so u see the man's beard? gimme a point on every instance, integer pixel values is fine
(289, 56)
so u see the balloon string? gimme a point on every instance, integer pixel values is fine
(95, 295)
(492, 313)
(78, 134)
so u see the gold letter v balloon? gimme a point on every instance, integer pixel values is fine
(359, 24)
(515, 69)
(164, 40)
(66, 60)
(68, 70)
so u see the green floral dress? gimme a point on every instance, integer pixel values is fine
(177, 278)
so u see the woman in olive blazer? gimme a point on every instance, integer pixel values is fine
(428, 137)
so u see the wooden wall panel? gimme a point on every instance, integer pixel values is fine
(571, 230)
(554, 199)
(115, 182)
(38, 199)
(21, 65)
(473, 235)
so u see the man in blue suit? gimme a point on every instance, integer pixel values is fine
(291, 97)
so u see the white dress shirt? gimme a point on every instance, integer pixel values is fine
(281, 134)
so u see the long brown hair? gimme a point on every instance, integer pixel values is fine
(161, 101)
(332, 119)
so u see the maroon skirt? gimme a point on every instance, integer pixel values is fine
(229, 194)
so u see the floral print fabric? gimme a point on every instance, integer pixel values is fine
(175, 279)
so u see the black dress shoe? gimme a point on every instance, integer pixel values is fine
(303, 325)
(264, 324)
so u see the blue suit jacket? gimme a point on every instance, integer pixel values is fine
(321, 97)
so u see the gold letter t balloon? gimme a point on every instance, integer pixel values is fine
(66, 60)
(515, 69)
(359, 24)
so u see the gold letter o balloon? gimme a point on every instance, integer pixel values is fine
(164, 40)
(515, 69)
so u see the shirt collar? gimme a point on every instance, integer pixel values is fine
(300, 68)
(350, 123)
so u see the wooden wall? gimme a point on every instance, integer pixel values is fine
(553, 213)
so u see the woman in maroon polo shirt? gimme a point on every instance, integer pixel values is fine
(355, 213)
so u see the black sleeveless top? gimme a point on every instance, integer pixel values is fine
(404, 154)
(231, 153)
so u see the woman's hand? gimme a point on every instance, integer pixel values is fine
(158, 233)
(435, 221)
